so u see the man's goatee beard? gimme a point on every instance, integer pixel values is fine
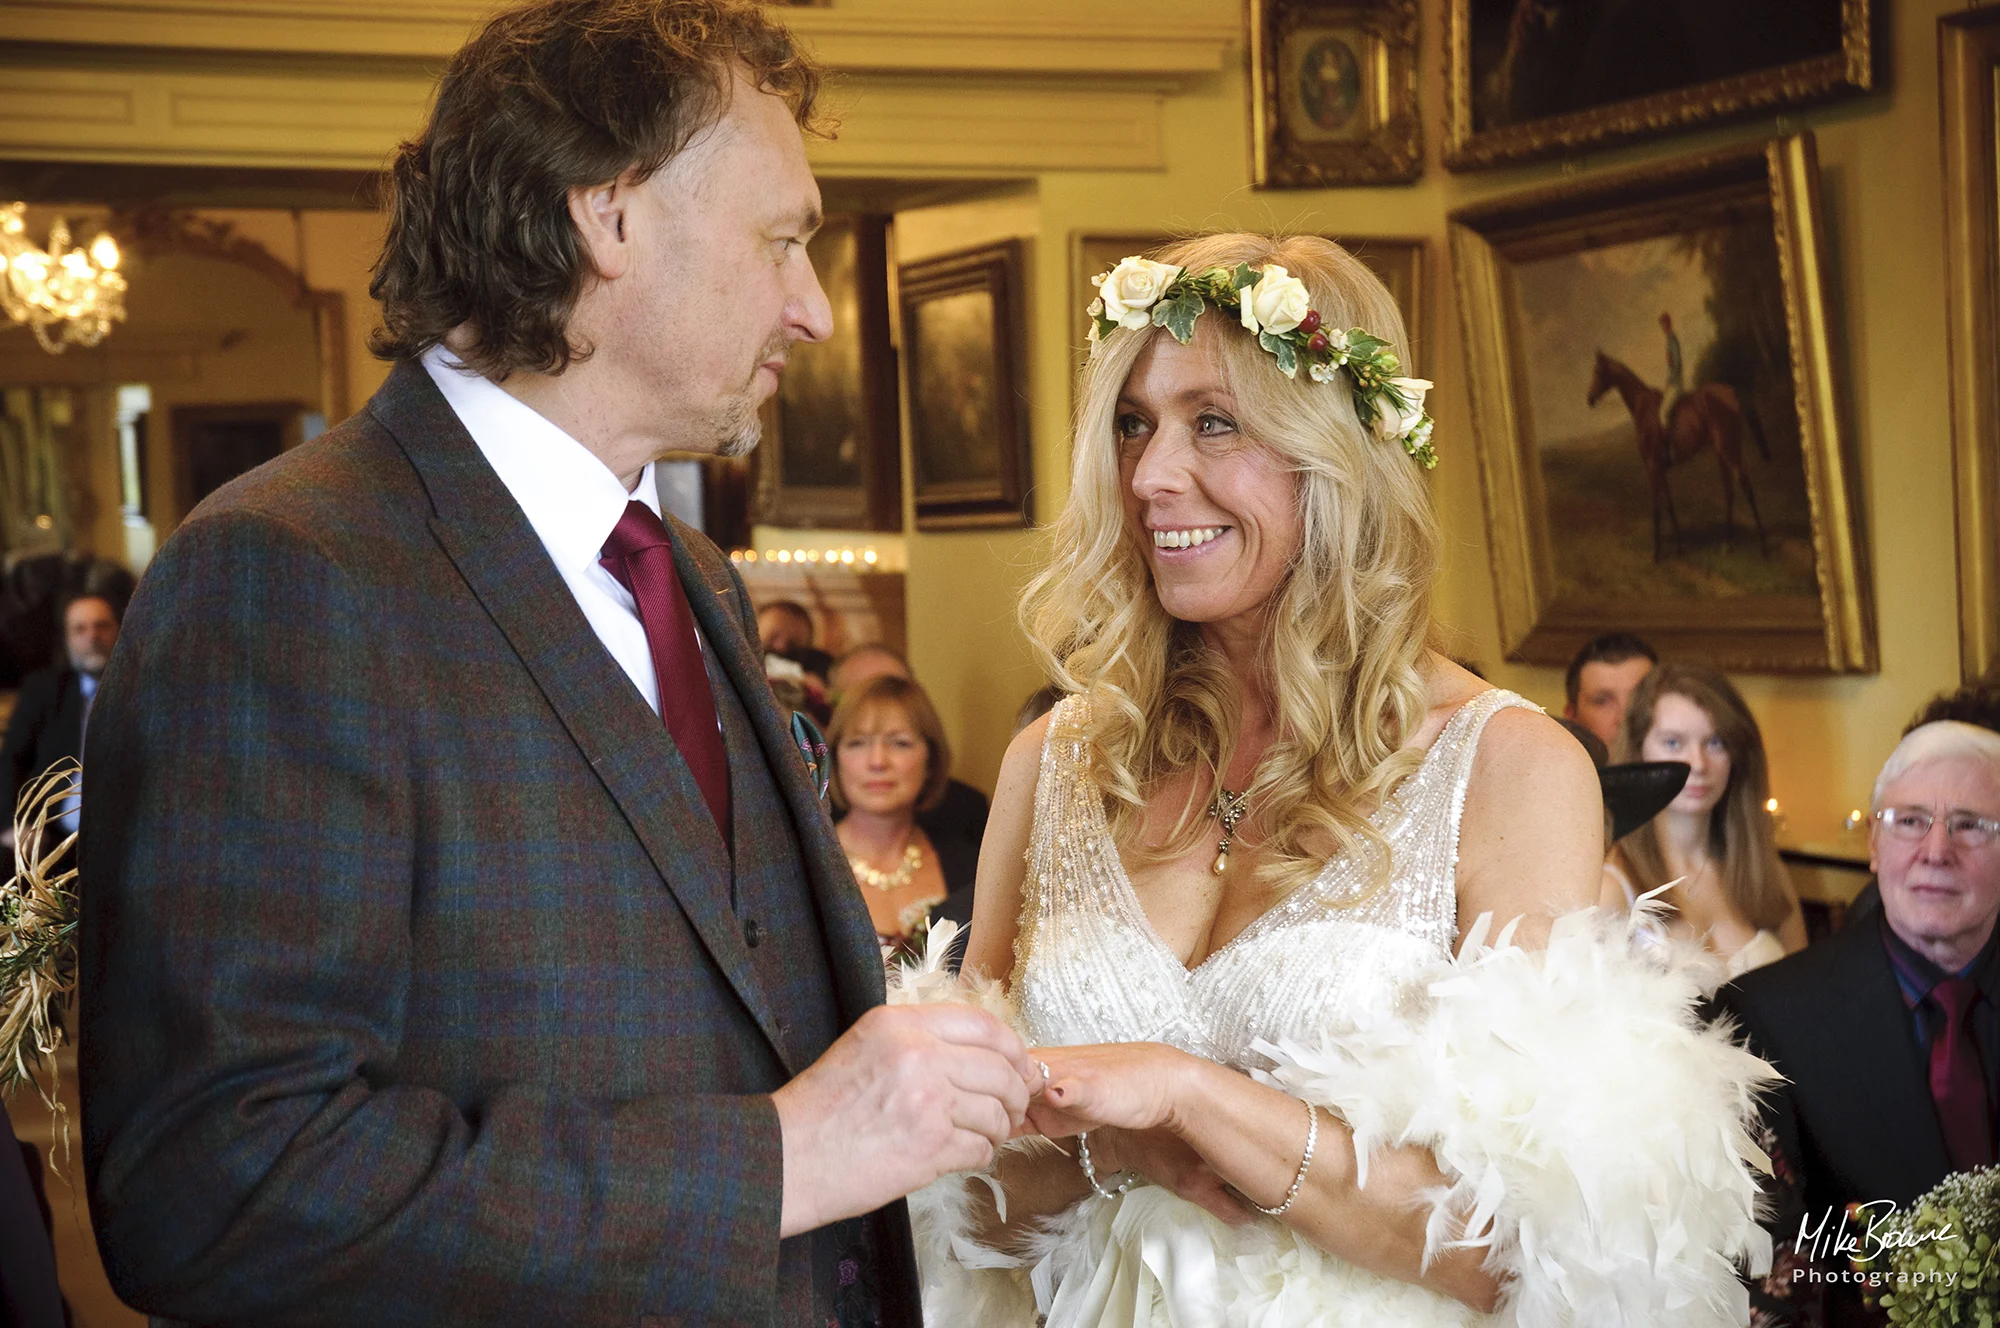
(743, 440)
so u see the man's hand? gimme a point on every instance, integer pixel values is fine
(908, 1094)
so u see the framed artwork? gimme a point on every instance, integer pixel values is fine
(1534, 78)
(1333, 93)
(1655, 402)
(832, 448)
(1969, 45)
(968, 417)
(1398, 262)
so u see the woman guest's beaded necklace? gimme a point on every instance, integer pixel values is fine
(1228, 809)
(913, 858)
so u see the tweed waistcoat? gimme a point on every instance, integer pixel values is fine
(826, 1278)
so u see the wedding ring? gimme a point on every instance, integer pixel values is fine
(1045, 1072)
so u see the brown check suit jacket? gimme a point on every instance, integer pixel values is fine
(412, 992)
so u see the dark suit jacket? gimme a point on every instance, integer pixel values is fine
(412, 992)
(1856, 1122)
(46, 727)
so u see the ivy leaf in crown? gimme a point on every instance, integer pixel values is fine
(1275, 307)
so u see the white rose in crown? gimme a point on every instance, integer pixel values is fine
(1277, 303)
(1130, 290)
(1393, 421)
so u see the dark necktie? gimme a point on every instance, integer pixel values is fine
(640, 556)
(1958, 1082)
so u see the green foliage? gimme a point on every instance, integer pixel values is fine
(1951, 1232)
(1177, 312)
(1281, 346)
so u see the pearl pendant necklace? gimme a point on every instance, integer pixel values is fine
(1227, 808)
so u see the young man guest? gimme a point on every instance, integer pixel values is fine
(1600, 682)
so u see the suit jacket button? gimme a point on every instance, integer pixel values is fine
(752, 933)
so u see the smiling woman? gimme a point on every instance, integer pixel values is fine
(1240, 885)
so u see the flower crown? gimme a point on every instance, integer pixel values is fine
(1275, 306)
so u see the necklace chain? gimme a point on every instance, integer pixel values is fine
(913, 858)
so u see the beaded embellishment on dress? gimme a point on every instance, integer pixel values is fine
(1090, 968)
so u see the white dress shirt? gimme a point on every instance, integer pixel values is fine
(571, 498)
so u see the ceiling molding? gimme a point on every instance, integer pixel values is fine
(304, 119)
(1005, 42)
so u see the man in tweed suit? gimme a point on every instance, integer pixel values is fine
(428, 975)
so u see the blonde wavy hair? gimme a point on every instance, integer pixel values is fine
(1351, 624)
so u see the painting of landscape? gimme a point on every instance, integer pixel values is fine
(1658, 489)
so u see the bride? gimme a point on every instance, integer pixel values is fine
(1239, 888)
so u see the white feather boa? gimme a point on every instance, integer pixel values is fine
(1594, 1137)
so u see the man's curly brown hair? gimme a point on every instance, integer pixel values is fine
(546, 98)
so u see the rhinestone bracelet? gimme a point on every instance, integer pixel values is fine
(1090, 1172)
(1312, 1137)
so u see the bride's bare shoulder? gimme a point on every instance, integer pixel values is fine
(1531, 838)
(1449, 685)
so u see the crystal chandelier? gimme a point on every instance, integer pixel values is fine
(66, 295)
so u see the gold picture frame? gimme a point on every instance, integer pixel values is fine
(963, 371)
(1398, 260)
(1969, 67)
(1333, 93)
(1568, 91)
(1552, 285)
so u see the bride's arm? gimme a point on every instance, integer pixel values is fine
(1003, 858)
(1530, 847)
(1531, 839)
(1040, 1184)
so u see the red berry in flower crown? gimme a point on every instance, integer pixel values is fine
(1310, 324)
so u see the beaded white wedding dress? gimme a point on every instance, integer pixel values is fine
(1592, 1134)
(1090, 968)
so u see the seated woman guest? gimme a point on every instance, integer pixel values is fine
(1714, 839)
(891, 761)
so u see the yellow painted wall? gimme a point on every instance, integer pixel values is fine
(1881, 182)
(962, 586)
(1881, 188)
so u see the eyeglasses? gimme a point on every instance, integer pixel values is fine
(1963, 828)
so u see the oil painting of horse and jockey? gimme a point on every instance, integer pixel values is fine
(1660, 390)
(1659, 408)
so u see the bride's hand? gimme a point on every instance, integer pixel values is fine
(1127, 1085)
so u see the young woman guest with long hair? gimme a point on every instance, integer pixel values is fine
(1714, 841)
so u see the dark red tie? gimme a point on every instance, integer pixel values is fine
(1958, 1081)
(641, 557)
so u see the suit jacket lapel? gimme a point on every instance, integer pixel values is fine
(852, 950)
(1889, 1078)
(483, 531)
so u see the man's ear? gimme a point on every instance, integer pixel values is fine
(599, 214)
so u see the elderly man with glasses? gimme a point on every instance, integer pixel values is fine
(1889, 1031)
